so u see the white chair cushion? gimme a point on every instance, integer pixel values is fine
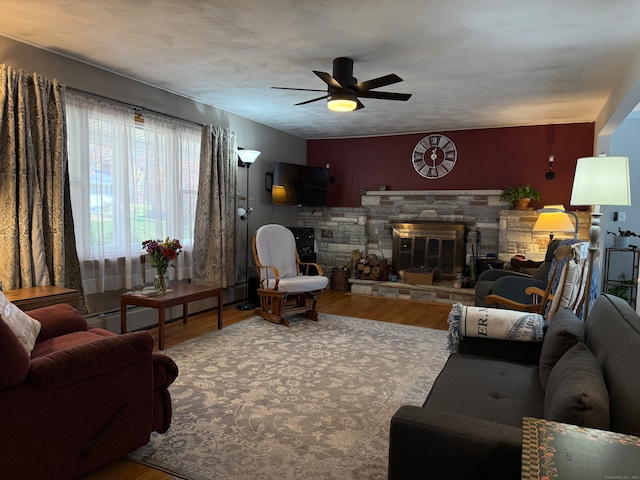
(276, 247)
(299, 284)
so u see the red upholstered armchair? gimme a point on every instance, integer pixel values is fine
(84, 398)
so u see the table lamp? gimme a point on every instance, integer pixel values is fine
(555, 219)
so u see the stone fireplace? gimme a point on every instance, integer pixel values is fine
(370, 227)
(438, 246)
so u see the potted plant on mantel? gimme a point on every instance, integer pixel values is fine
(519, 198)
(621, 239)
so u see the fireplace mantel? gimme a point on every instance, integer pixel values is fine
(382, 193)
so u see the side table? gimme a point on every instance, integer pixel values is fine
(37, 297)
(181, 294)
(568, 452)
(518, 265)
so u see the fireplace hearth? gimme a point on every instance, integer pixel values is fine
(433, 245)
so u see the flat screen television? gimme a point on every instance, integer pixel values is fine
(299, 185)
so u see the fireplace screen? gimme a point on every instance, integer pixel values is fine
(431, 245)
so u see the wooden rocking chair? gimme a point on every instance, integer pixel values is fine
(567, 285)
(287, 286)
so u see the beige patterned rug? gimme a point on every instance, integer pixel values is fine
(258, 400)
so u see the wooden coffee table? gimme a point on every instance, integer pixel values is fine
(181, 294)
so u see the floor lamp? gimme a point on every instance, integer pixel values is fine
(599, 181)
(247, 157)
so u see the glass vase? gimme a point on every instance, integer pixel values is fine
(161, 282)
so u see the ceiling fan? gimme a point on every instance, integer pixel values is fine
(343, 89)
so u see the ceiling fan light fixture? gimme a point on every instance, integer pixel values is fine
(342, 102)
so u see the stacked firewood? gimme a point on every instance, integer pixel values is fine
(370, 267)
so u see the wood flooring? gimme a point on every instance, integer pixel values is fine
(383, 309)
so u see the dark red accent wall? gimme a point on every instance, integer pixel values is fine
(492, 158)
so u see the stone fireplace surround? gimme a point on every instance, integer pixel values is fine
(340, 230)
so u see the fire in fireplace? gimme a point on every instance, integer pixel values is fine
(429, 244)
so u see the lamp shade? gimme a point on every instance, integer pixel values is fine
(248, 156)
(601, 181)
(553, 219)
(278, 194)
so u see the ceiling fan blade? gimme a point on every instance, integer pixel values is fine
(376, 83)
(328, 79)
(386, 95)
(359, 104)
(300, 89)
(313, 100)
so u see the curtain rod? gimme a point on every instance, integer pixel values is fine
(135, 107)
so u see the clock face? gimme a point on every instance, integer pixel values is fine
(434, 156)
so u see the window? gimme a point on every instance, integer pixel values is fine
(130, 181)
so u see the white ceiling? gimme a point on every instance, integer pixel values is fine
(468, 63)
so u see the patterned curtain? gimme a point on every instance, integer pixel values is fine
(214, 248)
(36, 225)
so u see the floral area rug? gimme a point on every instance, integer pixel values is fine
(257, 400)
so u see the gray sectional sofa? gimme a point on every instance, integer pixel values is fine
(470, 425)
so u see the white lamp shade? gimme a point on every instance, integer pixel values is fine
(555, 220)
(601, 181)
(248, 156)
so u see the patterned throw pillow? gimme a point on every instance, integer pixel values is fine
(23, 326)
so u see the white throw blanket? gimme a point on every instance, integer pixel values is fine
(496, 323)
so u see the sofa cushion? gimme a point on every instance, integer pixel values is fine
(488, 389)
(58, 319)
(576, 392)
(24, 327)
(14, 359)
(562, 333)
(92, 358)
(73, 339)
(613, 336)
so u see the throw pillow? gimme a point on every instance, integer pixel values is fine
(565, 285)
(13, 358)
(57, 320)
(563, 333)
(23, 326)
(576, 392)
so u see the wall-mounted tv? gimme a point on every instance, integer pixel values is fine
(299, 185)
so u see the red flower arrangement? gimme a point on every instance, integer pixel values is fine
(161, 254)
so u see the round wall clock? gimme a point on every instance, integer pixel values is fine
(434, 156)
